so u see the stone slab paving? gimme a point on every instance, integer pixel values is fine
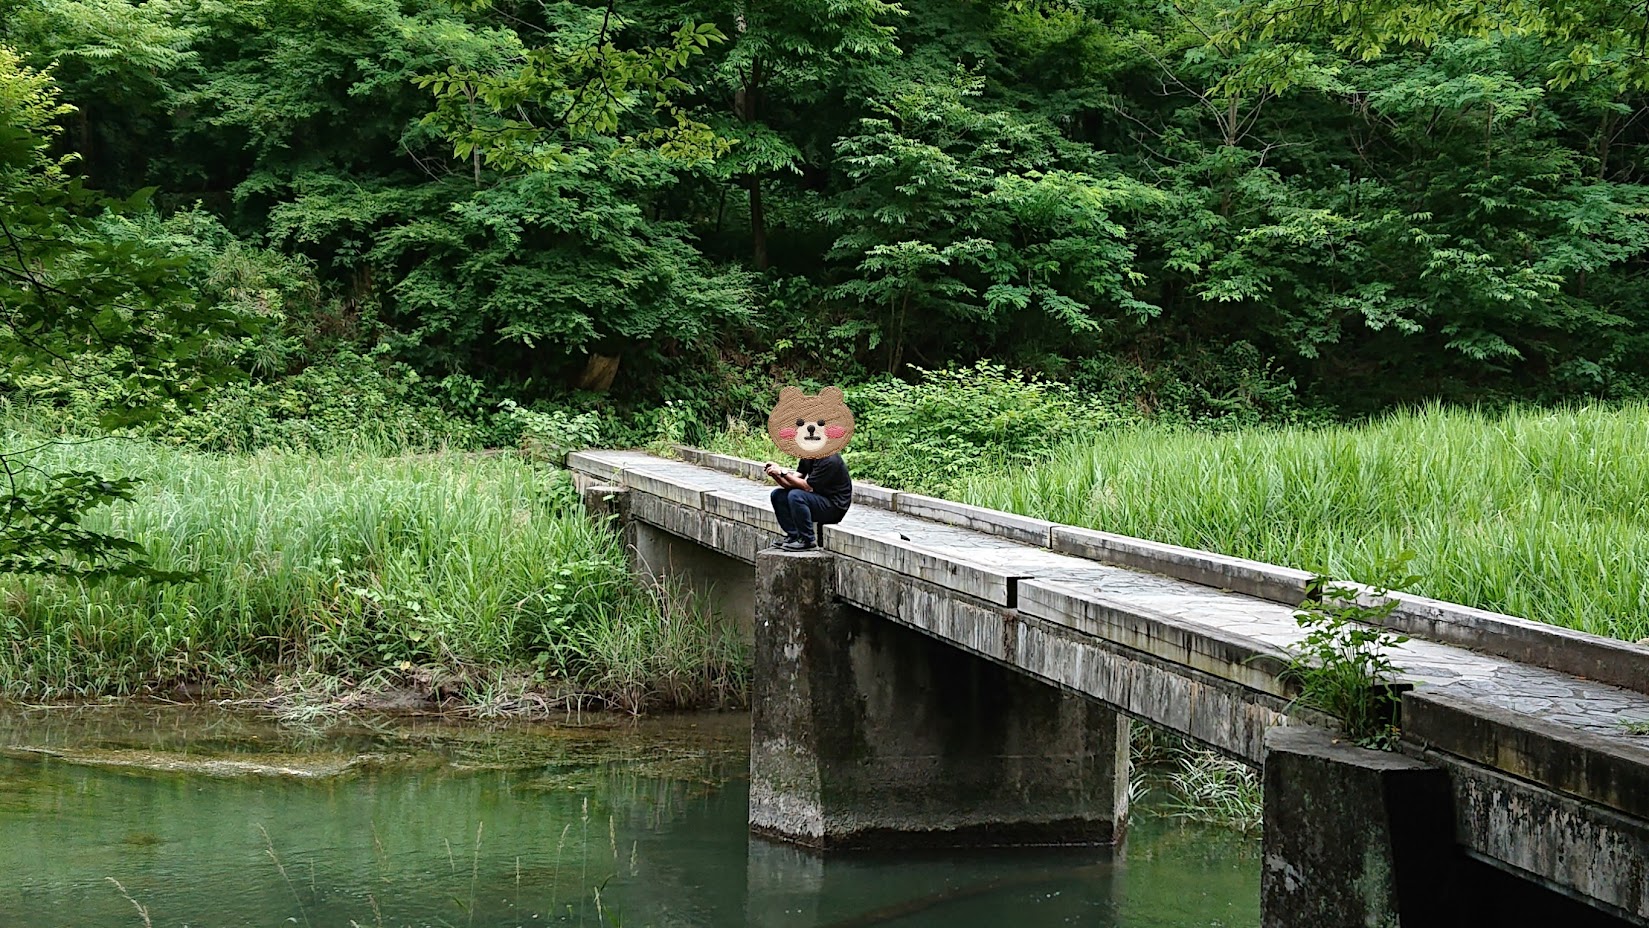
(1537, 693)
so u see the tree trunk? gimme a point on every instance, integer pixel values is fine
(747, 103)
(758, 224)
(1606, 135)
(598, 374)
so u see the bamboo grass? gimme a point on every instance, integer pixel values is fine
(350, 564)
(1537, 513)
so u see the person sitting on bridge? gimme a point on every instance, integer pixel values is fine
(814, 429)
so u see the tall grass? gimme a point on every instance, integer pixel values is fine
(351, 564)
(1542, 514)
(1195, 783)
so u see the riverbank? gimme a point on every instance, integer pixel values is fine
(357, 580)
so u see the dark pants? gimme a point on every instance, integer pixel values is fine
(798, 510)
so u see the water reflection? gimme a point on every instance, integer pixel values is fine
(426, 823)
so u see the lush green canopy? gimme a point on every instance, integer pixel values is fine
(1377, 201)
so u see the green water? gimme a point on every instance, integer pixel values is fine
(208, 819)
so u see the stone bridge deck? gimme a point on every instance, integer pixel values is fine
(1529, 719)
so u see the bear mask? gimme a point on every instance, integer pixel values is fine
(810, 426)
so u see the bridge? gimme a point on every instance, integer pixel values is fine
(942, 674)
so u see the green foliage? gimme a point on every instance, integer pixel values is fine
(1594, 40)
(932, 435)
(955, 217)
(1209, 787)
(1386, 202)
(1534, 513)
(551, 435)
(74, 297)
(1208, 388)
(343, 400)
(356, 567)
(1202, 785)
(121, 64)
(534, 272)
(1343, 666)
(523, 111)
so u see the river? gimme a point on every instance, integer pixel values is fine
(190, 817)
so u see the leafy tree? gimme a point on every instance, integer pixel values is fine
(119, 63)
(960, 221)
(788, 56)
(526, 109)
(529, 275)
(66, 293)
(1387, 201)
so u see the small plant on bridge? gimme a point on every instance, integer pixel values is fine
(1342, 665)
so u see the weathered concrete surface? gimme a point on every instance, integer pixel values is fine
(595, 463)
(866, 734)
(977, 518)
(607, 504)
(1618, 663)
(1589, 853)
(992, 585)
(1574, 762)
(723, 582)
(1206, 708)
(982, 627)
(869, 494)
(1352, 837)
(1267, 581)
(1209, 708)
(1228, 654)
(735, 539)
(1202, 660)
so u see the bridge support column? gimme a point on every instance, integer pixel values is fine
(723, 582)
(865, 733)
(1353, 836)
(603, 502)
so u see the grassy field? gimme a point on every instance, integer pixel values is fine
(357, 567)
(1542, 514)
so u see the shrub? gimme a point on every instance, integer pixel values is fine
(930, 435)
(1223, 387)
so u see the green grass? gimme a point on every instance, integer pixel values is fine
(1194, 783)
(1542, 514)
(354, 566)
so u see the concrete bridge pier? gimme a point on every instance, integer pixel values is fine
(865, 733)
(1353, 836)
(723, 583)
(1368, 838)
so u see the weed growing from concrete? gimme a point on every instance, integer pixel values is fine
(1343, 667)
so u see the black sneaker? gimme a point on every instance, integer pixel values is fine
(797, 544)
(781, 542)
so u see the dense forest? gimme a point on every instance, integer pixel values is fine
(435, 214)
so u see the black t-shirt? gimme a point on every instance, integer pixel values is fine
(828, 478)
